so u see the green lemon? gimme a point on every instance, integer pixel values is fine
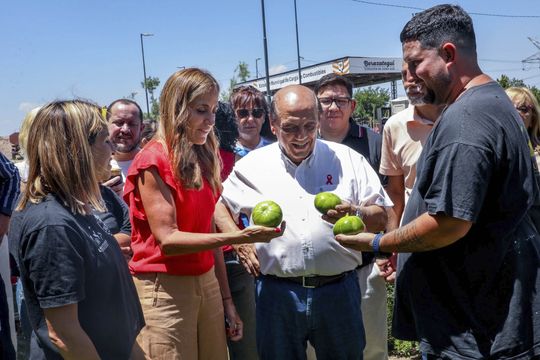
(325, 201)
(349, 225)
(267, 213)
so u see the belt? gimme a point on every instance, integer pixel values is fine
(313, 281)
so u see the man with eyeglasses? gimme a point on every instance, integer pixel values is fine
(335, 96)
(307, 288)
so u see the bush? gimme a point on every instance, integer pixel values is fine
(397, 347)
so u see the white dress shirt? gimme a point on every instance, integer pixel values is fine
(307, 246)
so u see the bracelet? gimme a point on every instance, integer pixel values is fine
(358, 213)
(375, 244)
(226, 298)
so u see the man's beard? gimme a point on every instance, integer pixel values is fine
(124, 148)
(420, 95)
(438, 93)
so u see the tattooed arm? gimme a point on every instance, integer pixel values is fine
(427, 232)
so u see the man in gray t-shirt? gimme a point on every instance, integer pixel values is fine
(470, 287)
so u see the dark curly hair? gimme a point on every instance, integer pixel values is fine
(226, 128)
(439, 24)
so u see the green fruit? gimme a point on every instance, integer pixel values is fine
(267, 213)
(325, 201)
(349, 225)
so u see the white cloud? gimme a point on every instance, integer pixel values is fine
(277, 69)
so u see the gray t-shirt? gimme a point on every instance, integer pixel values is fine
(65, 259)
(478, 297)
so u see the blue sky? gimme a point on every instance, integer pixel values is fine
(58, 49)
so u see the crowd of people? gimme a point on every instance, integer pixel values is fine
(136, 241)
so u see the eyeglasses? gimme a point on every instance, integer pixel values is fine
(340, 101)
(524, 109)
(294, 129)
(244, 113)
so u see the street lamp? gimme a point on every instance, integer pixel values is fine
(144, 72)
(268, 93)
(297, 45)
(257, 67)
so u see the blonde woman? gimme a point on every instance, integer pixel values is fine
(80, 297)
(172, 187)
(527, 106)
(23, 140)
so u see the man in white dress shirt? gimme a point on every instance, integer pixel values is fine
(307, 288)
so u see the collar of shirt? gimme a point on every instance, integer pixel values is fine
(412, 116)
(291, 166)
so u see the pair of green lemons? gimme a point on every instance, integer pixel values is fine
(268, 213)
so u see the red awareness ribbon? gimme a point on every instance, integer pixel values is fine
(329, 179)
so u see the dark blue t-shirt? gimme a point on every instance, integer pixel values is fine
(368, 143)
(116, 218)
(478, 297)
(67, 258)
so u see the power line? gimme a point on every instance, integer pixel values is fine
(470, 13)
(500, 61)
(503, 70)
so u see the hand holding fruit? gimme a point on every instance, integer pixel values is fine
(359, 242)
(267, 213)
(349, 225)
(332, 207)
(267, 216)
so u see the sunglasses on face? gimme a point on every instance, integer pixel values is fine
(341, 102)
(244, 113)
(524, 109)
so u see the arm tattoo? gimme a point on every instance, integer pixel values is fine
(406, 239)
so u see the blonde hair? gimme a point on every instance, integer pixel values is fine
(524, 97)
(190, 162)
(60, 156)
(23, 131)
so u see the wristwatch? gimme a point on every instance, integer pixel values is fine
(376, 249)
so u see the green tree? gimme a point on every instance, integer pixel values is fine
(131, 95)
(506, 82)
(151, 85)
(241, 73)
(368, 100)
(536, 92)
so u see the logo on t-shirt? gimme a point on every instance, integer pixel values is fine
(97, 237)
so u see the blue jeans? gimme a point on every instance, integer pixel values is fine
(23, 339)
(288, 315)
(242, 286)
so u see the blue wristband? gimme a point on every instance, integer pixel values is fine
(376, 247)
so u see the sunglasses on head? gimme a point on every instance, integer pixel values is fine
(243, 113)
